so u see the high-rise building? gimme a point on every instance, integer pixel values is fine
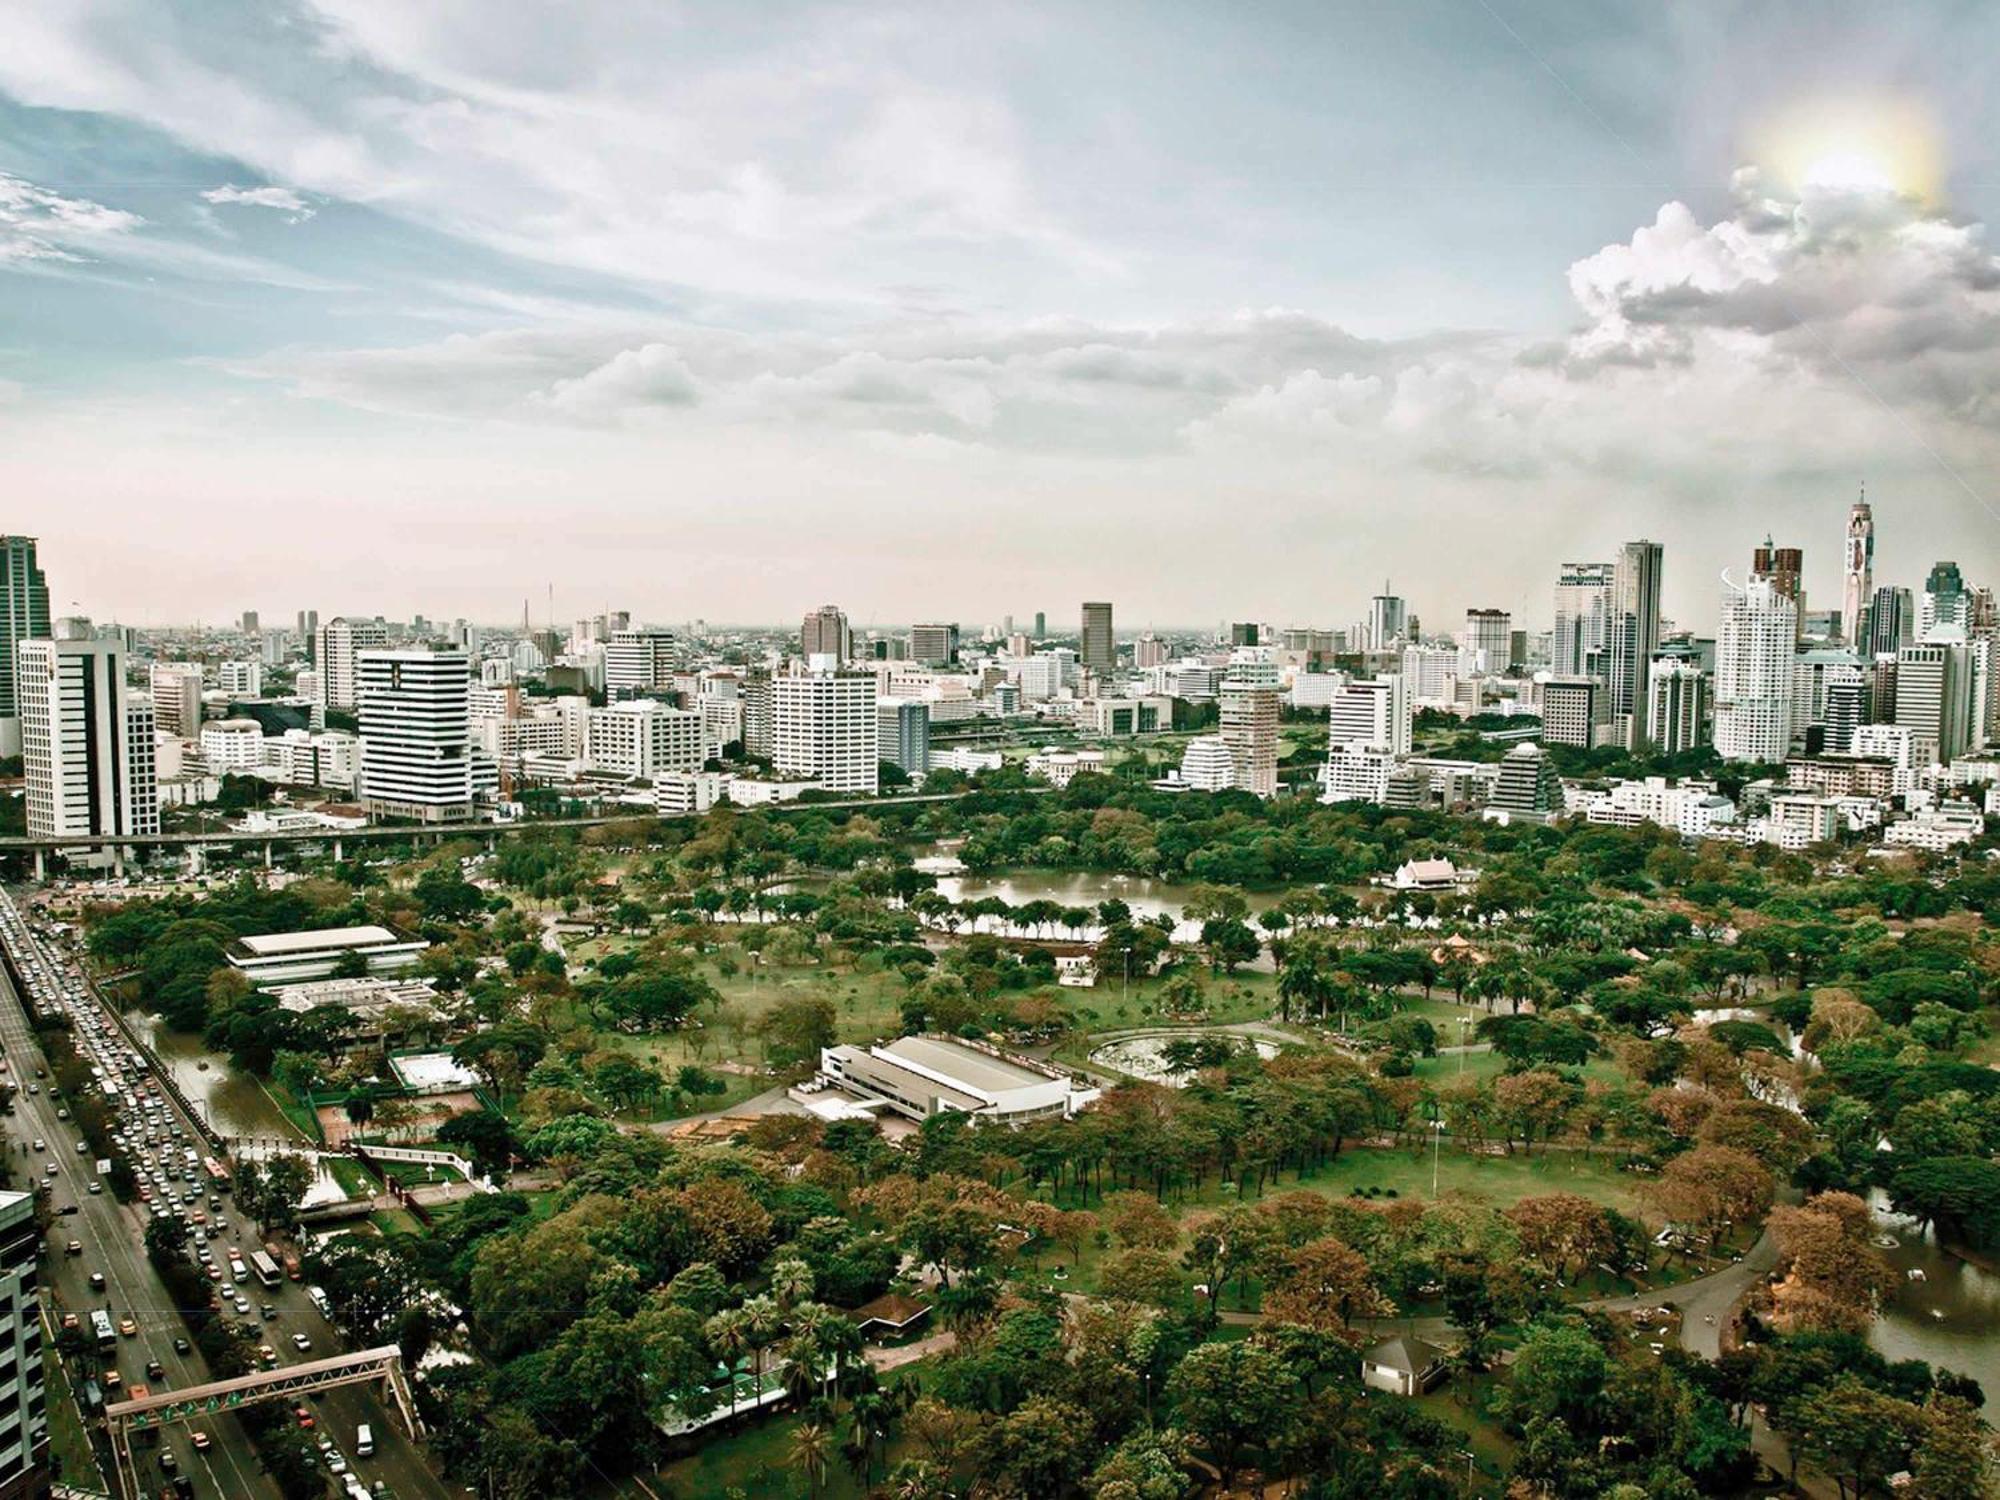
(1858, 570)
(24, 616)
(1946, 604)
(1527, 786)
(243, 679)
(904, 734)
(340, 642)
(1489, 636)
(1250, 721)
(1634, 624)
(1753, 673)
(1847, 708)
(1243, 633)
(416, 733)
(1573, 711)
(24, 1421)
(1935, 696)
(759, 713)
(1891, 621)
(1041, 624)
(639, 664)
(1676, 705)
(645, 739)
(176, 693)
(933, 644)
(1583, 613)
(1148, 651)
(1206, 764)
(1388, 619)
(1781, 567)
(1096, 649)
(1373, 713)
(825, 633)
(825, 728)
(308, 632)
(249, 623)
(87, 744)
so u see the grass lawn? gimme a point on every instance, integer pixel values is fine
(68, 1442)
(1246, 995)
(1487, 1065)
(354, 1179)
(1492, 1450)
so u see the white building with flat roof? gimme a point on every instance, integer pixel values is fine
(826, 730)
(282, 957)
(644, 738)
(416, 734)
(921, 1076)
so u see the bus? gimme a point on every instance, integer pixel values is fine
(101, 1329)
(217, 1172)
(266, 1268)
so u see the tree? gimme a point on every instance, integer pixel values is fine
(1322, 1285)
(1559, 1373)
(1042, 1448)
(812, 1452)
(1562, 1230)
(486, 1136)
(796, 1029)
(1230, 1397)
(1830, 1277)
(287, 1179)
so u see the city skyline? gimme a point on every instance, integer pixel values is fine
(512, 303)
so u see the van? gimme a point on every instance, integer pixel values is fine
(364, 1441)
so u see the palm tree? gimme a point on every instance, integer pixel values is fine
(791, 1282)
(762, 1319)
(812, 1449)
(728, 1332)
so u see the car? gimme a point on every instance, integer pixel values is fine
(168, 1461)
(35, 1088)
(304, 1416)
(40, 1144)
(301, 1343)
(215, 1273)
(127, 1327)
(243, 1305)
(155, 1370)
(69, 1321)
(96, 1188)
(74, 1247)
(97, 1281)
(201, 1441)
(112, 1380)
(335, 1464)
(182, 1346)
(50, 1170)
(269, 1313)
(268, 1355)
(70, 1208)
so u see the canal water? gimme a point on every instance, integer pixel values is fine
(1949, 1318)
(234, 1102)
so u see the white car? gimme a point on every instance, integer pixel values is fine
(301, 1343)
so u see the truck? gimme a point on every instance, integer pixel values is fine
(265, 1267)
(101, 1329)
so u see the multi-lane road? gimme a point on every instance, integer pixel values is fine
(113, 1246)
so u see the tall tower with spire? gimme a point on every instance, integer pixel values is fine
(1859, 568)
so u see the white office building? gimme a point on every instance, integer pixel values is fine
(1206, 765)
(644, 739)
(1373, 712)
(639, 664)
(825, 729)
(416, 734)
(905, 733)
(1676, 705)
(1250, 704)
(339, 645)
(24, 1421)
(233, 744)
(241, 679)
(176, 693)
(86, 744)
(1753, 673)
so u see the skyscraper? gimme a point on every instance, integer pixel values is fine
(86, 743)
(308, 631)
(1780, 566)
(903, 733)
(1859, 570)
(825, 633)
(1250, 721)
(339, 642)
(1891, 621)
(1946, 604)
(1096, 649)
(24, 616)
(1583, 610)
(1677, 706)
(1374, 713)
(416, 733)
(176, 692)
(1388, 619)
(1753, 673)
(934, 644)
(1634, 623)
(1934, 697)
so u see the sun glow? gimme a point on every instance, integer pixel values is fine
(1853, 145)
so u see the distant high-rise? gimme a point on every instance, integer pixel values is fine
(1781, 567)
(903, 733)
(1891, 621)
(1096, 649)
(176, 692)
(308, 632)
(339, 642)
(1373, 713)
(1527, 786)
(639, 664)
(1634, 623)
(1388, 619)
(87, 744)
(825, 633)
(1859, 569)
(1041, 624)
(24, 616)
(1753, 673)
(1243, 633)
(1573, 711)
(1676, 706)
(935, 645)
(1935, 697)
(1583, 612)
(1947, 603)
(1489, 635)
(416, 733)
(1250, 711)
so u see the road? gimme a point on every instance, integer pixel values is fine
(113, 1240)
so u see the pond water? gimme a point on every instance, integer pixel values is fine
(1141, 1056)
(1147, 897)
(1950, 1318)
(234, 1102)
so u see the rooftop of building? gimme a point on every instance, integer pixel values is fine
(985, 1071)
(279, 944)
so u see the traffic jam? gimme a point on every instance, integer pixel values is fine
(175, 1178)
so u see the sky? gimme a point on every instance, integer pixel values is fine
(951, 311)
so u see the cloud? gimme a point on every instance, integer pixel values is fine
(37, 224)
(295, 209)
